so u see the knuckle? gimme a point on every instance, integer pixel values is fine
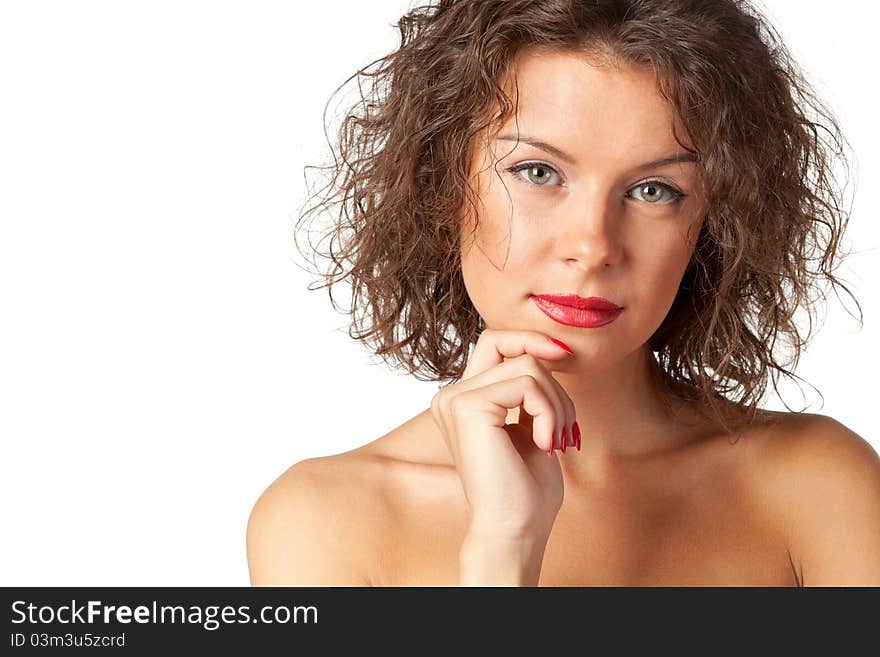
(459, 403)
(534, 368)
(530, 381)
(485, 335)
(435, 404)
(440, 402)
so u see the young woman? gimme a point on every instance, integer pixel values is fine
(594, 219)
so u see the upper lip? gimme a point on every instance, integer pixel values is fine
(584, 303)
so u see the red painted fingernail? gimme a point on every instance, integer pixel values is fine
(563, 440)
(577, 435)
(561, 344)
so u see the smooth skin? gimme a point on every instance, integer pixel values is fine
(513, 491)
(464, 493)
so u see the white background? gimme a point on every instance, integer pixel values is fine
(161, 360)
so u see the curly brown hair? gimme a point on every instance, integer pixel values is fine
(774, 205)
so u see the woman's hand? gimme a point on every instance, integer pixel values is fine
(513, 489)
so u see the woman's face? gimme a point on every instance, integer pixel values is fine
(584, 222)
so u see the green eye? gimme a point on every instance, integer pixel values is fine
(537, 173)
(654, 189)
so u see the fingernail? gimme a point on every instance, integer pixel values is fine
(550, 451)
(562, 438)
(577, 435)
(559, 343)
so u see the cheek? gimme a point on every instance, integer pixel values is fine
(501, 230)
(667, 250)
(662, 266)
(495, 267)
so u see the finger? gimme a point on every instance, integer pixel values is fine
(492, 400)
(567, 436)
(526, 364)
(525, 425)
(566, 414)
(494, 345)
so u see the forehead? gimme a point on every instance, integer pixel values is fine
(586, 105)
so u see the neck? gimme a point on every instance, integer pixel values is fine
(625, 411)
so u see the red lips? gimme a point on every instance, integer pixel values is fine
(574, 310)
(583, 303)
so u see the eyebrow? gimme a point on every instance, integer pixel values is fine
(565, 157)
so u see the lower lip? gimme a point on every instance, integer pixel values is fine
(576, 316)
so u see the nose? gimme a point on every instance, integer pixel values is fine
(590, 235)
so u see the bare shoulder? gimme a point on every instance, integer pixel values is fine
(312, 525)
(815, 449)
(823, 479)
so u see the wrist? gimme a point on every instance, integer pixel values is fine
(492, 560)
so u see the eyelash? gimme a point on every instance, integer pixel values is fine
(677, 194)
